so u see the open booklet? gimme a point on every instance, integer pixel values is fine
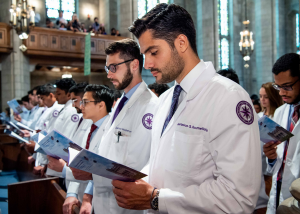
(271, 131)
(88, 161)
(37, 138)
(22, 126)
(14, 105)
(14, 126)
(14, 135)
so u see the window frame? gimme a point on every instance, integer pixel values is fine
(60, 8)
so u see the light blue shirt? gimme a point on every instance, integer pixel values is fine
(89, 188)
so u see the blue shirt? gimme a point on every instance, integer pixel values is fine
(90, 190)
(90, 186)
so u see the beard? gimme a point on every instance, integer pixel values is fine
(172, 69)
(78, 110)
(125, 81)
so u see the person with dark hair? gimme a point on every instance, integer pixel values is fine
(113, 31)
(204, 124)
(95, 25)
(257, 106)
(117, 96)
(25, 114)
(254, 97)
(283, 157)
(129, 125)
(77, 92)
(158, 89)
(230, 74)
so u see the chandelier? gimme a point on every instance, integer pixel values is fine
(21, 17)
(246, 43)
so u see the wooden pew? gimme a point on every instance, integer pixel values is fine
(36, 197)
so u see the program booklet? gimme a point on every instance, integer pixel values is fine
(14, 135)
(271, 131)
(56, 145)
(22, 126)
(13, 126)
(37, 138)
(14, 105)
(88, 161)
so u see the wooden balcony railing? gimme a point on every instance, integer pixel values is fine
(5, 46)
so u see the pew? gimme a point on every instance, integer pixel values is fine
(37, 196)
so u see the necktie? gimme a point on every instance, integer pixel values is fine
(174, 105)
(80, 121)
(93, 128)
(119, 108)
(295, 118)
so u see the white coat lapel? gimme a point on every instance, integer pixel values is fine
(97, 138)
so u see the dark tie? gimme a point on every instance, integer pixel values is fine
(174, 105)
(119, 108)
(80, 121)
(93, 128)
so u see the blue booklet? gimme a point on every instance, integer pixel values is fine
(14, 105)
(271, 131)
(37, 138)
(88, 161)
(14, 135)
(13, 126)
(56, 145)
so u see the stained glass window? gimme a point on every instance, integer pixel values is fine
(53, 6)
(146, 5)
(224, 40)
(297, 33)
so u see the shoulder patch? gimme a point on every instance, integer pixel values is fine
(245, 112)
(75, 118)
(55, 113)
(147, 120)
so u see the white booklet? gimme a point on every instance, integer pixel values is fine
(22, 126)
(14, 105)
(88, 161)
(14, 135)
(13, 126)
(272, 131)
(37, 138)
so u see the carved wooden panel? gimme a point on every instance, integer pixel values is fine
(82, 44)
(64, 43)
(2, 37)
(93, 45)
(75, 44)
(101, 47)
(44, 40)
(54, 42)
(33, 40)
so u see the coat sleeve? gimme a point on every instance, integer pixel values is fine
(234, 148)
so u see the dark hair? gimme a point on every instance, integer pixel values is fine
(257, 102)
(117, 95)
(25, 99)
(254, 97)
(128, 49)
(167, 22)
(288, 61)
(47, 89)
(230, 74)
(159, 88)
(36, 88)
(65, 84)
(20, 102)
(30, 92)
(95, 18)
(101, 93)
(78, 89)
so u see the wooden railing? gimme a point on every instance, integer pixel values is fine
(58, 43)
(5, 46)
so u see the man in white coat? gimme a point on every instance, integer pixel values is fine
(205, 152)
(283, 159)
(127, 135)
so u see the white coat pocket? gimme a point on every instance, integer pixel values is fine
(185, 154)
(118, 149)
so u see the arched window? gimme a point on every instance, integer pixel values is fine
(297, 34)
(53, 6)
(224, 39)
(146, 5)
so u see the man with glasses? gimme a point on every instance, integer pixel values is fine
(284, 157)
(127, 135)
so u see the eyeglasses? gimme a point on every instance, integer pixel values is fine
(286, 88)
(74, 101)
(113, 68)
(84, 102)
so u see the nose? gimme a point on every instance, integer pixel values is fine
(109, 74)
(282, 92)
(148, 63)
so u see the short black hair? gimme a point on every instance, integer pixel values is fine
(158, 88)
(78, 89)
(257, 102)
(117, 95)
(95, 18)
(290, 61)
(47, 89)
(254, 97)
(30, 92)
(36, 88)
(25, 99)
(230, 74)
(101, 93)
(20, 102)
(167, 22)
(128, 49)
(65, 84)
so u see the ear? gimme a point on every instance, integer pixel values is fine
(181, 43)
(135, 65)
(69, 95)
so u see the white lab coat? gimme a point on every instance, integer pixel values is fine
(132, 150)
(77, 186)
(291, 169)
(33, 117)
(207, 160)
(66, 123)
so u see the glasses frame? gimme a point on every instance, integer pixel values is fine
(286, 88)
(108, 68)
(83, 102)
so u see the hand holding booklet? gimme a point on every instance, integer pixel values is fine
(14, 135)
(271, 131)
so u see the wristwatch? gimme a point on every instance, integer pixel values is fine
(154, 202)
